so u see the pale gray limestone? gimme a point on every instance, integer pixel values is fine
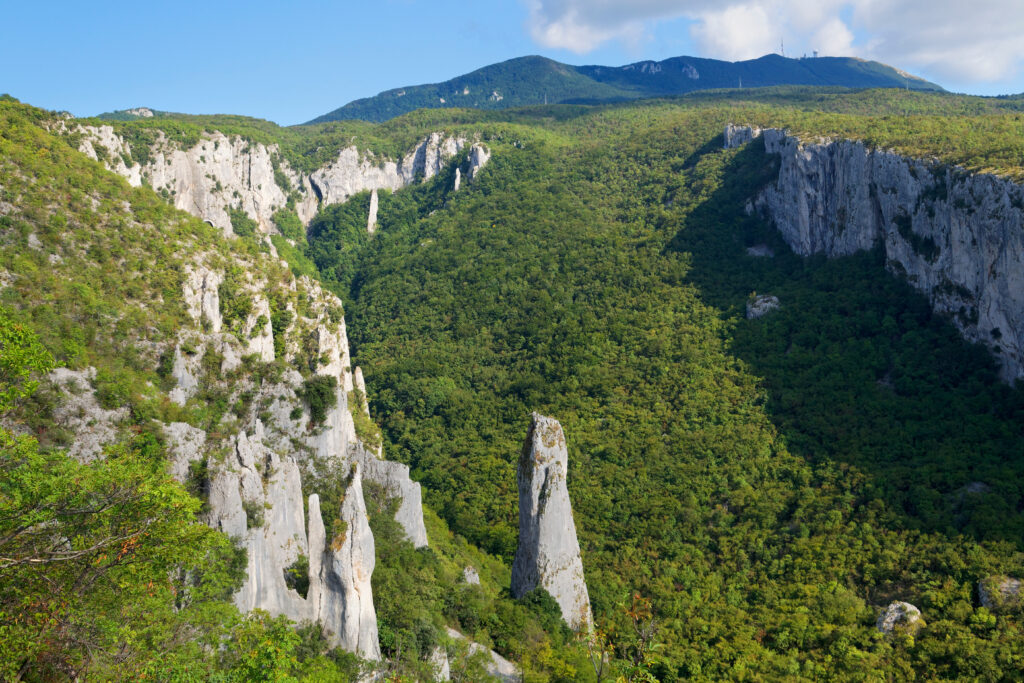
(549, 552)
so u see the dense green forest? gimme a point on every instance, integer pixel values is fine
(768, 485)
(749, 494)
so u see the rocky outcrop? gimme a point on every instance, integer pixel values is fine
(1000, 593)
(393, 478)
(439, 661)
(549, 553)
(185, 445)
(496, 665)
(471, 576)
(257, 498)
(957, 237)
(735, 136)
(256, 495)
(371, 219)
(352, 172)
(761, 305)
(478, 158)
(80, 413)
(900, 617)
(208, 179)
(201, 296)
(760, 251)
(221, 173)
(343, 601)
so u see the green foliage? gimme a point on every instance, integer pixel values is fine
(287, 221)
(22, 358)
(241, 224)
(600, 281)
(103, 564)
(235, 301)
(366, 429)
(262, 648)
(320, 394)
(296, 576)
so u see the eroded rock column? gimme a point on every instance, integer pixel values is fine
(549, 552)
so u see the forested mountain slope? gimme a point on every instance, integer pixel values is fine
(538, 80)
(749, 494)
(597, 275)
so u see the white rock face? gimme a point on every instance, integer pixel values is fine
(220, 173)
(549, 553)
(371, 219)
(956, 237)
(760, 251)
(478, 158)
(201, 296)
(257, 498)
(352, 173)
(261, 335)
(761, 305)
(184, 446)
(736, 136)
(79, 412)
(360, 386)
(113, 153)
(256, 495)
(471, 576)
(346, 601)
(394, 478)
(276, 543)
(207, 179)
(439, 660)
(898, 615)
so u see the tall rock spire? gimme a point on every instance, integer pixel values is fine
(549, 553)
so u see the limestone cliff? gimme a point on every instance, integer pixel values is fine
(957, 237)
(207, 179)
(221, 173)
(260, 456)
(549, 553)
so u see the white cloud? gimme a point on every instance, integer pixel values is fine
(737, 32)
(971, 41)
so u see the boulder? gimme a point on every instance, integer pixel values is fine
(761, 305)
(899, 617)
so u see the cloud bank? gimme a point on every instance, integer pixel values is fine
(974, 41)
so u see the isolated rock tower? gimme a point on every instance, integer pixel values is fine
(549, 553)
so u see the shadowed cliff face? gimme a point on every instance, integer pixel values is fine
(958, 238)
(549, 553)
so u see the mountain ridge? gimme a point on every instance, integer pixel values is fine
(534, 79)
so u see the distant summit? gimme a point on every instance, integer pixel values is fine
(538, 80)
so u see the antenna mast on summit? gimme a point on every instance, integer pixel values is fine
(782, 46)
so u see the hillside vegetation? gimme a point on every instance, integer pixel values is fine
(538, 80)
(749, 494)
(768, 485)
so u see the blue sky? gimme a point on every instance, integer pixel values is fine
(291, 61)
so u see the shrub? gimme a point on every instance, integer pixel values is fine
(319, 394)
